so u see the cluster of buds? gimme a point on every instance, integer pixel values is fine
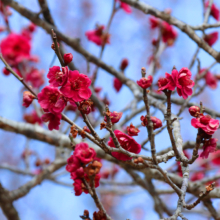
(139, 160)
(207, 127)
(40, 162)
(84, 168)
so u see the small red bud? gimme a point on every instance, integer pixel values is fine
(68, 57)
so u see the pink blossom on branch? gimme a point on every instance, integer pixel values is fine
(183, 82)
(206, 123)
(15, 48)
(209, 147)
(126, 142)
(145, 83)
(84, 153)
(51, 99)
(56, 77)
(169, 35)
(53, 119)
(77, 86)
(98, 36)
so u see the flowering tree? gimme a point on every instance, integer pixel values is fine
(94, 139)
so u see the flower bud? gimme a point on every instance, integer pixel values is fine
(157, 123)
(114, 116)
(68, 57)
(124, 64)
(6, 72)
(145, 83)
(86, 106)
(132, 131)
(194, 111)
(47, 161)
(27, 98)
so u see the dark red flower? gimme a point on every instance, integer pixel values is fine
(117, 84)
(77, 86)
(27, 98)
(145, 83)
(114, 116)
(84, 153)
(98, 36)
(50, 99)
(132, 130)
(56, 77)
(206, 123)
(157, 123)
(68, 57)
(15, 48)
(209, 147)
(126, 142)
(53, 119)
(211, 38)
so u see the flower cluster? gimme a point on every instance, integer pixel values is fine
(65, 85)
(169, 35)
(207, 126)
(181, 80)
(84, 168)
(126, 142)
